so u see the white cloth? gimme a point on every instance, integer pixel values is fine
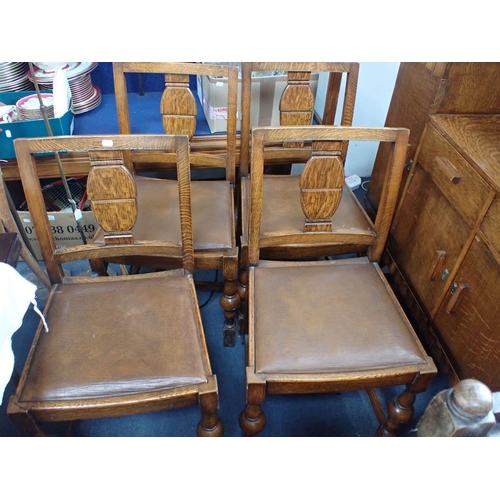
(16, 295)
(61, 92)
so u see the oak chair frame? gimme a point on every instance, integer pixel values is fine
(416, 376)
(28, 414)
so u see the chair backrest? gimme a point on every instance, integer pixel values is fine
(297, 102)
(320, 187)
(178, 106)
(112, 192)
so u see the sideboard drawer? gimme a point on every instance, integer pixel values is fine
(457, 180)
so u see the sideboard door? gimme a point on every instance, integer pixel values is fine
(468, 320)
(427, 238)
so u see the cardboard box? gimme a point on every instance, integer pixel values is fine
(29, 128)
(60, 215)
(64, 229)
(266, 95)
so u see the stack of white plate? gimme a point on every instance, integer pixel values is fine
(85, 96)
(14, 77)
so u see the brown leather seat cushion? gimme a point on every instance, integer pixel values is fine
(281, 209)
(334, 317)
(158, 218)
(104, 342)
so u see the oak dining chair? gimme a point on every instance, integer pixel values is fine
(115, 345)
(298, 106)
(316, 326)
(213, 200)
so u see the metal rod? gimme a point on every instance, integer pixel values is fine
(71, 201)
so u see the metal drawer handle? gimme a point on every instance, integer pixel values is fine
(457, 293)
(447, 168)
(437, 265)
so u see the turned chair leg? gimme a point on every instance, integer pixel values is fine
(209, 425)
(401, 408)
(252, 418)
(400, 411)
(230, 302)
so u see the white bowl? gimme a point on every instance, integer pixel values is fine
(31, 102)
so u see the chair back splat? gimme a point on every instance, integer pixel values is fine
(327, 325)
(116, 345)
